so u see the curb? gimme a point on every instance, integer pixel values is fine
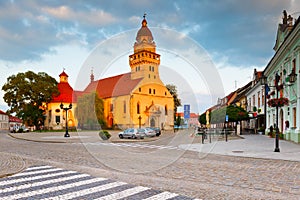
(34, 140)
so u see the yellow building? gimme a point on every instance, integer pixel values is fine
(55, 116)
(137, 98)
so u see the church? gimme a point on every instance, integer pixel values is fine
(137, 98)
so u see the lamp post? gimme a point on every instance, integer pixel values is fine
(277, 78)
(140, 121)
(292, 79)
(66, 110)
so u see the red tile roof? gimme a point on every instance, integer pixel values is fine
(192, 115)
(66, 93)
(14, 119)
(63, 74)
(113, 86)
(2, 113)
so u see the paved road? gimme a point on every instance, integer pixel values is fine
(162, 166)
(47, 182)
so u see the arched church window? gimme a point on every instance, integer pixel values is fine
(166, 110)
(124, 106)
(138, 108)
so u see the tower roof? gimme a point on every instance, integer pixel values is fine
(144, 34)
(63, 74)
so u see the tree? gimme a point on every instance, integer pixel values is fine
(90, 111)
(177, 102)
(202, 119)
(25, 94)
(236, 113)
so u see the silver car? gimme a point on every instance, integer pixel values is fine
(148, 132)
(132, 133)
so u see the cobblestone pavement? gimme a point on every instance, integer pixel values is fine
(46, 182)
(10, 164)
(190, 173)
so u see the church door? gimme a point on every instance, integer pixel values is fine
(152, 122)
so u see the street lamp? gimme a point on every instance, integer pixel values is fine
(292, 78)
(277, 78)
(140, 121)
(66, 110)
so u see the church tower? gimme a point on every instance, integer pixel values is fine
(144, 62)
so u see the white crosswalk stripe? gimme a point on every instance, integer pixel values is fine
(87, 191)
(46, 182)
(21, 187)
(163, 195)
(35, 177)
(134, 145)
(124, 193)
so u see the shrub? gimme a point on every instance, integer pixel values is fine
(104, 135)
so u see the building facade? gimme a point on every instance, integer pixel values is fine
(137, 98)
(285, 64)
(4, 121)
(256, 103)
(55, 116)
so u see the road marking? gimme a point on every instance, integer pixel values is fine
(21, 187)
(134, 145)
(86, 191)
(25, 173)
(124, 193)
(35, 177)
(52, 183)
(162, 196)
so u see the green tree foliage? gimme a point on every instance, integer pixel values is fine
(202, 119)
(90, 111)
(218, 116)
(173, 90)
(235, 113)
(26, 92)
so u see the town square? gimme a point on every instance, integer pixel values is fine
(150, 100)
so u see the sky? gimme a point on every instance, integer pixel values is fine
(208, 48)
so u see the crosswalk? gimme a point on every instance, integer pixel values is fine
(47, 182)
(134, 145)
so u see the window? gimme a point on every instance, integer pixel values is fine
(294, 65)
(262, 97)
(124, 106)
(166, 110)
(153, 91)
(138, 108)
(150, 91)
(258, 99)
(140, 89)
(295, 117)
(111, 107)
(152, 68)
(148, 75)
(149, 68)
(57, 119)
(253, 100)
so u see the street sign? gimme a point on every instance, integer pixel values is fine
(186, 111)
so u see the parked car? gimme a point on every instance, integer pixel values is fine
(148, 132)
(18, 129)
(157, 130)
(132, 133)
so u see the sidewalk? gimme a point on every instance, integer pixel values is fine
(254, 146)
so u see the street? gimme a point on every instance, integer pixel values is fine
(162, 166)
